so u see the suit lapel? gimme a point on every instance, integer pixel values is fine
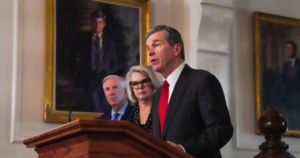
(155, 117)
(296, 67)
(107, 114)
(127, 113)
(176, 97)
(286, 71)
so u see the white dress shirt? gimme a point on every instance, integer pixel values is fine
(173, 77)
(293, 61)
(121, 111)
(100, 36)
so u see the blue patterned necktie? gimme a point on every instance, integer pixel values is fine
(98, 56)
(115, 117)
(97, 42)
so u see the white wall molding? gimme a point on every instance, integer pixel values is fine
(217, 64)
(215, 28)
(15, 136)
(29, 36)
(221, 3)
(213, 41)
(208, 3)
(192, 19)
(213, 47)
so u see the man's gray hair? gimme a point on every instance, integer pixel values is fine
(172, 36)
(122, 80)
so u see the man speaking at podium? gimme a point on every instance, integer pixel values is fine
(189, 111)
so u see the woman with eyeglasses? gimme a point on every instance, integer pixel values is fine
(141, 85)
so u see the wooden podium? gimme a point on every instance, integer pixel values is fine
(97, 138)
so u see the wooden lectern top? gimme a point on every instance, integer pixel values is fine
(98, 138)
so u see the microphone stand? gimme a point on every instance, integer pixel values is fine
(86, 94)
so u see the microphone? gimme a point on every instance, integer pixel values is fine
(86, 94)
(117, 72)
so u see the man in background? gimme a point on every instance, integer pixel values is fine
(92, 58)
(116, 95)
(189, 111)
(291, 68)
(290, 102)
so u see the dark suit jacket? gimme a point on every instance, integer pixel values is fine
(291, 84)
(80, 59)
(197, 116)
(126, 116)
(290, 94)
(295, 76)
(81, 55)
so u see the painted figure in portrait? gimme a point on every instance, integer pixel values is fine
(93, 56)
(94, 39)
(290, 97)
(281, 70)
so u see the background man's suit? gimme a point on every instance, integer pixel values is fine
(81, 60)
(197, 116)
(127, 115)
(290, 97)
(295, 75)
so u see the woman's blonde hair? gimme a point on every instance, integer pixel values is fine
(148, 72)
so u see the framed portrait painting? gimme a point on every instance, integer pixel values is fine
(277, 67)
(88, 40)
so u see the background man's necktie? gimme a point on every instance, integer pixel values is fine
(97, 51)
(163, 104)
(98, 54)
(97, 42)
(290, 67)
(115, 117)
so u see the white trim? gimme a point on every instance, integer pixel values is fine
(215, 28)
(16, 72)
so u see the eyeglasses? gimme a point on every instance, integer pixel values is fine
(145, 82)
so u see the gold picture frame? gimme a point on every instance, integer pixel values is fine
(62, 18)
(272, 34)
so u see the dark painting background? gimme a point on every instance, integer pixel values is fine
(276, 92)
(73, 17)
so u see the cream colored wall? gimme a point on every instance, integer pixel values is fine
(228, 55)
